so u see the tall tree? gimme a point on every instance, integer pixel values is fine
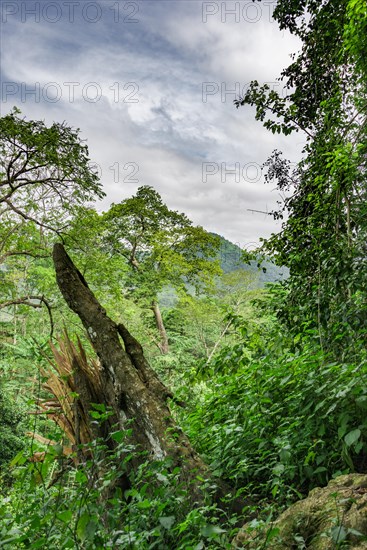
(44, 171)
(161, 247)
(323, 237)
(44, 176)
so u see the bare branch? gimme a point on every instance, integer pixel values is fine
(23, 253)
(26, 301)
(30, 218)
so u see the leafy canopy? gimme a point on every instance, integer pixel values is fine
(323, 236)
(44, 171)
(160, 245)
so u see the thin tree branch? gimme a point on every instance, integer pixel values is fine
(26, 301)
(30, 218)
(23, 253)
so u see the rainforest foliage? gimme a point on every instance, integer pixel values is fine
(269, 383)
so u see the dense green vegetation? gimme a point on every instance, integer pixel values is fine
(269, 382)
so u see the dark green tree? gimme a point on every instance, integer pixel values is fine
(323, 236)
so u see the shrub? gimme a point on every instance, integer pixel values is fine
(282, 426)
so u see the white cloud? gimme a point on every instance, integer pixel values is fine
(162, 62)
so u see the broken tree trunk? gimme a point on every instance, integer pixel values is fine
(129, 385)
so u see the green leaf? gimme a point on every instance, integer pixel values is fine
(319, 470)
(278, 469)
(272, 533)
(118, 436)
(99, 407)
(81, 527)
(18, 459)
(338, 534)
(80, 476)
(210, 531)
(144, 504)
(352, 437)
(65, 516)
(167, 521)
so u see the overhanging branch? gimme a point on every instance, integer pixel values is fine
(27, 301)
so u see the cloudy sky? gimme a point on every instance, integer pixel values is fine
(151, 85)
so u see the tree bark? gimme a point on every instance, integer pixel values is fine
(133, 390)
(163, 345)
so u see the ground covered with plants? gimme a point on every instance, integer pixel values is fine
(262, 388)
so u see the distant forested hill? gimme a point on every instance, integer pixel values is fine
(230, 256)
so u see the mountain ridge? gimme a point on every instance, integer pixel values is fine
(230, 256)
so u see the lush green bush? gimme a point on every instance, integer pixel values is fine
(12, 428)
(55, 505)
(281, 426)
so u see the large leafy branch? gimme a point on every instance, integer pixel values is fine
(44, 177)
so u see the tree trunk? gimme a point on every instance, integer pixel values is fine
(163, 345)
(133, 390)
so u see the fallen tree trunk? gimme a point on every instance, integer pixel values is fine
(129, 385)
